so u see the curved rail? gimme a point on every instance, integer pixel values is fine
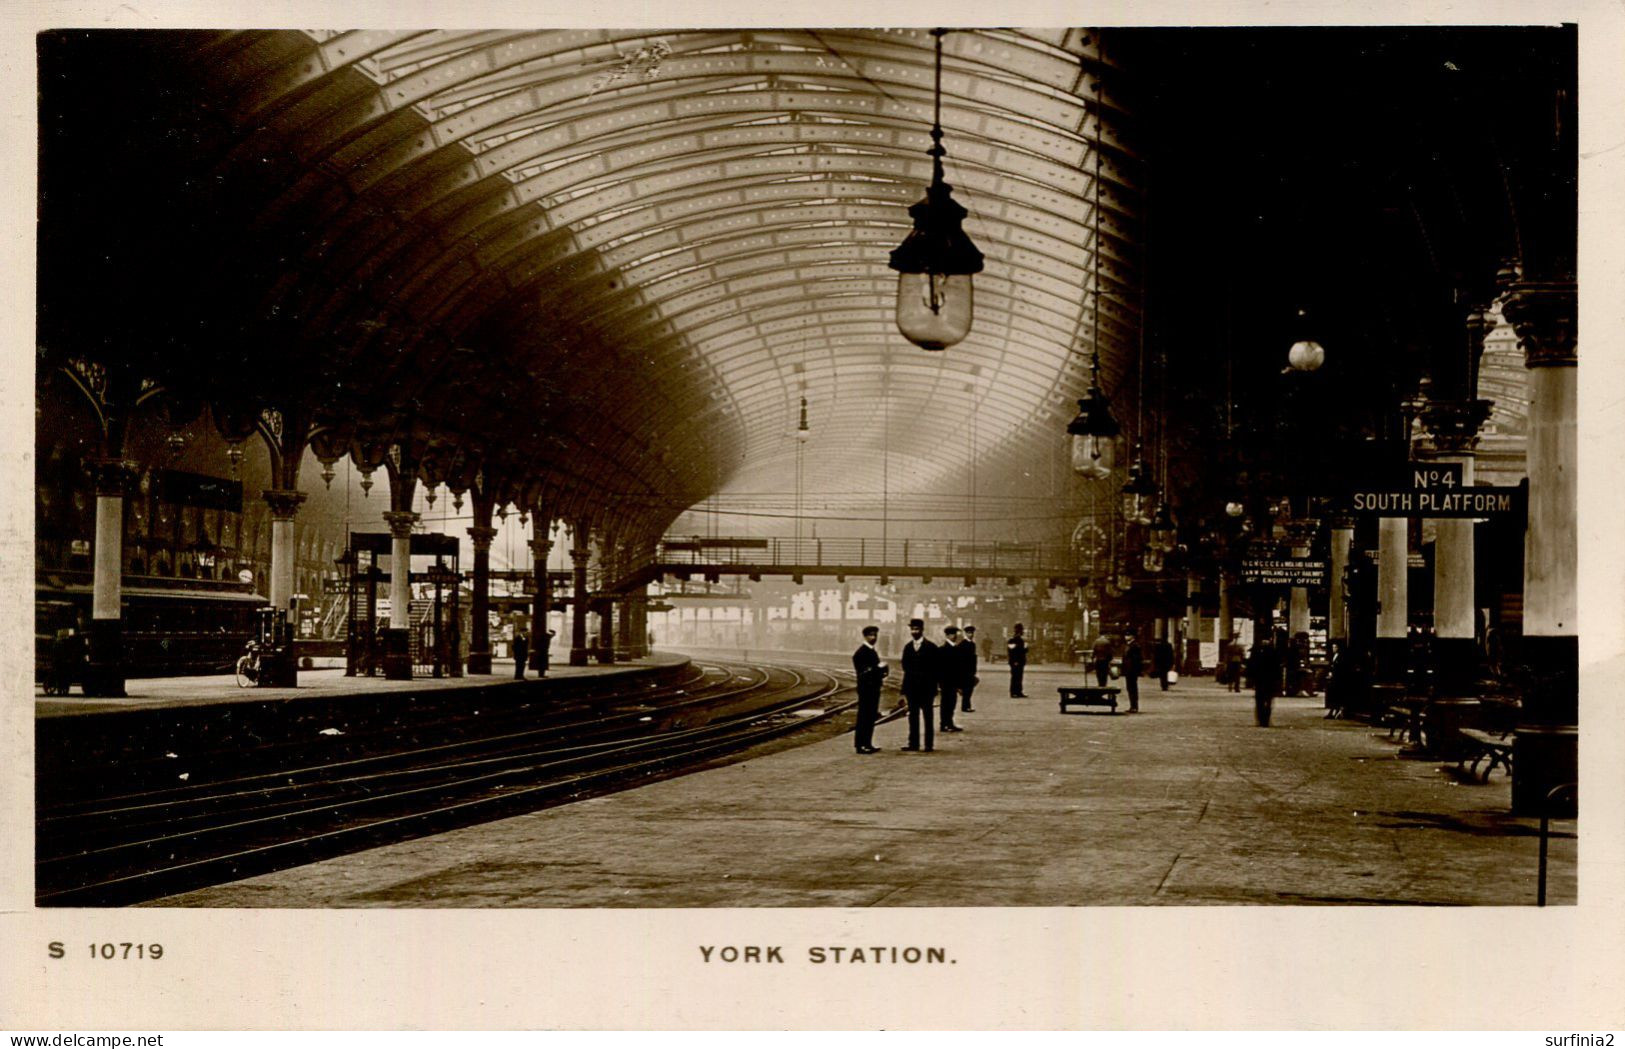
(172, 840)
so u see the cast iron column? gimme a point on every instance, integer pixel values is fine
(1543, 315)
(397, 643)
(1193, 625)
(1297, 615)
(481, 532)
(580, 554)
(540, 548)
(1337, 616)
(284, 507)
(282, 669)
(1393, 597)
(1452, 434)
(104, 673)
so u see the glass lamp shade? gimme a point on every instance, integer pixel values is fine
(1164, 533)
(934, 310)
(1125, 582)
(1306, 355)
(1139, 494)
(1152, 560)
(1137, 507)
(1092, 456)
(1234, 509)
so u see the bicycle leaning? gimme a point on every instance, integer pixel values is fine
(248, 665)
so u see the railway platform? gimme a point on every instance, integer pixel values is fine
(319, 683)
(1187, 802)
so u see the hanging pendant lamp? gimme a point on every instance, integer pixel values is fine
(1094, 432)
(1139, 494)
(935, 262)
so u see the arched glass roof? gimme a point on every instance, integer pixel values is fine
(673, 236)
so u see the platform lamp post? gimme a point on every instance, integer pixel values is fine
(803, 433)
(936, 260)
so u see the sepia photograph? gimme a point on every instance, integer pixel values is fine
(815, 480)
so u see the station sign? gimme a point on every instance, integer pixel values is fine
(1469, 501)
(1448, 476)
(1284, 571)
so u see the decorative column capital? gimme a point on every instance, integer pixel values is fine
(114, 476)
(400, 523)
(539, 549)
(1452, 426)
(1543, 315)
(284, 503)
(1479, 325)
(482, 536)
(1340, 520)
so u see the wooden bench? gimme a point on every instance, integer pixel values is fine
(1088, 696)
(1496, 747)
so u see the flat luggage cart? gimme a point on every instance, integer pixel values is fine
(1088, 696)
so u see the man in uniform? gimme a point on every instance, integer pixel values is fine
(1016, 653)
(967, 673)
(871, 671)
(920, 672)
(950, 672)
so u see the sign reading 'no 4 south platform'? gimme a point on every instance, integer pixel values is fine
(1482, 501)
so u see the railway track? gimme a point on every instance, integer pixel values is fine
(246, 818)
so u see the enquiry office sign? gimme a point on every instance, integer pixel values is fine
(1284, 571)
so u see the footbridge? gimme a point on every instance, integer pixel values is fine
(711, 558)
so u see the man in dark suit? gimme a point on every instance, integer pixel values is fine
(1016, 653)
(871, 671)
(919, 683)
(521, 647)
(967, 672)
(1133, 667)
(949, 673)
(1162, 661)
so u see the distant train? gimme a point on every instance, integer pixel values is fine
(167, 631)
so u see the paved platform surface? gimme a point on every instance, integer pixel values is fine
(206, 689)
(1186, 803)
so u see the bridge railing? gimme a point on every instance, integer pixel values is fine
(989, 556)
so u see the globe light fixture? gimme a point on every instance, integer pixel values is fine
(1234, 509)
(936, 260)
(1306, 355)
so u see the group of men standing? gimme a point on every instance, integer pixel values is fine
(928, 669)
